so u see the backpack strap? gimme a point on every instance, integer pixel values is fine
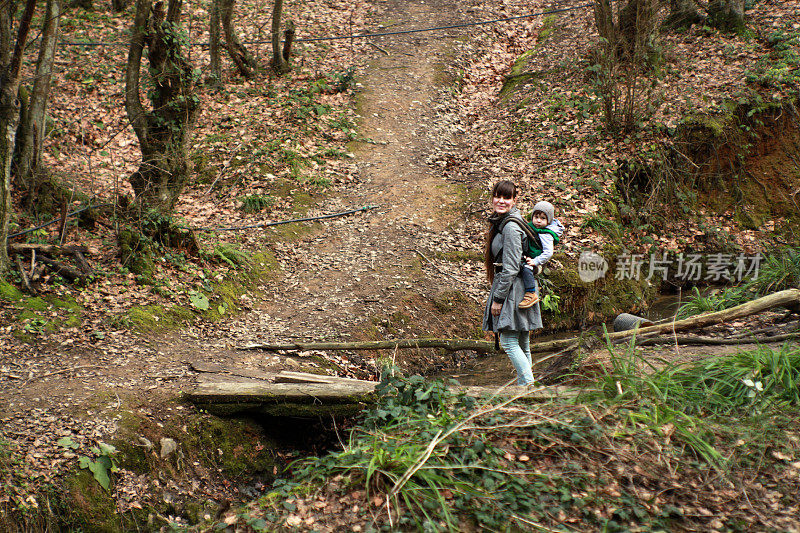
(533, 237)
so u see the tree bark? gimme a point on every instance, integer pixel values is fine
(163, 131)
(6, 20)
(119, 5)
(682, 14)
(604, 20)
(727, 15)
(239, 54)
(279, 63)
(637, 23)
(215, 76)
(10, 73)
(32, 126)
(447, 344)
(288, 41)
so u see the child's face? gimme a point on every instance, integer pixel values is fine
(539, 219)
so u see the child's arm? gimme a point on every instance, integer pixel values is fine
(547, 250)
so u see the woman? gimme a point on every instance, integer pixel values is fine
(503, 258)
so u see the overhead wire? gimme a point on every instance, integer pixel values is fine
(365, 35)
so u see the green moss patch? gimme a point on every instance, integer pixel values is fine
(88, 507)
(10, 293)
(237, 448)
(158, 319)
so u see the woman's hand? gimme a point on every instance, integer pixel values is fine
(496, 307)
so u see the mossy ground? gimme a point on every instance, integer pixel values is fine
(209, 450)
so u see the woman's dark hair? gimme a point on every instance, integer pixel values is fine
(501, 189)
(504, 189)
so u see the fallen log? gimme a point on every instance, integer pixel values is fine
(448, 344)
(338, 397)
(63, 270)
(786, 298)
(52, 249)
(24, 276)
(686, 340)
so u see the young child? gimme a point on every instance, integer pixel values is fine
(544, 223)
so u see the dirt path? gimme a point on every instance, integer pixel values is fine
(348, 274)
(359, 268)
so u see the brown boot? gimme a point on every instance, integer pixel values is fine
(529, 300)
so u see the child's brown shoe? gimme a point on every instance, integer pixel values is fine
(529, 300)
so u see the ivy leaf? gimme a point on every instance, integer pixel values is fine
(107, 449)
(98, 468)
(66, 442)
(199, 300)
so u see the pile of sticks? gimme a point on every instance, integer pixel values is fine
(35, 260)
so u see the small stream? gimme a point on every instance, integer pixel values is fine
(496, 370)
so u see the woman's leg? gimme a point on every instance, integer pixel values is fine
(525, 346)
(510, 341)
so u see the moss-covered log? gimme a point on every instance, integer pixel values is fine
(338, 397)
(788, 298)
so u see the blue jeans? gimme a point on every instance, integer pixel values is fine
(517, 344)
(528, 279)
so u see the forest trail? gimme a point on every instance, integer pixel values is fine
(359, 267)
(342, 275)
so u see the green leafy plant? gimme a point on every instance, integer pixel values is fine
(698, 303)
(255, 203)
(229, 254)
(199, 300)
(35, 325)
(550, 303)
(102, 462)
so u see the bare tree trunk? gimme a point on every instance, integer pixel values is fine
(239, 54)
(279, 63)
(288, 41)
(213, 43)
(6, 18)
(727, 15)
(682, 13)
(9, 117)
(604, 20)
(637, 23)
(119, 5)
(163, 132)
(32, 125)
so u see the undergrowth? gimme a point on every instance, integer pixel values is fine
(609, 460)
(776, 272)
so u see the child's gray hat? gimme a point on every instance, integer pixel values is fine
(546, 208)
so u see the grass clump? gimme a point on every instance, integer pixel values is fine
(255, 203)
(424, 452)
(776, 272)
(430, 459)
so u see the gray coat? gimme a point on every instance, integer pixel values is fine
(507, 287)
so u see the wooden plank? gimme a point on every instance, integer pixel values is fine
(347, 396)
(287, 376)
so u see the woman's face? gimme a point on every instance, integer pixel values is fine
(503, 205)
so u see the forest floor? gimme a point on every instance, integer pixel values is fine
(376, 274)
